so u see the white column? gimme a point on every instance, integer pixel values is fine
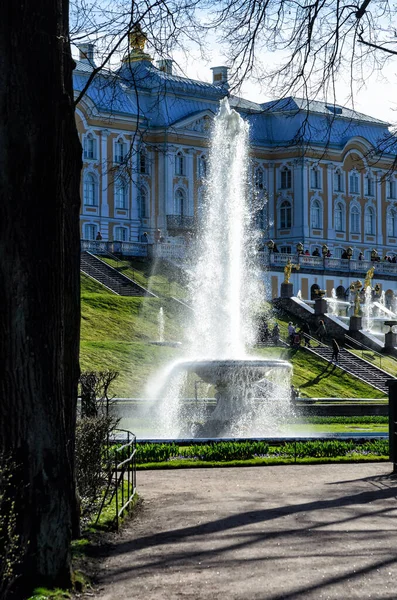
(134, 207)
(190, 178)
(169, 180)
(271, 201)
(330, 230)
(305, 199)
(104, 226)
(300, 225)
(379, 211)
(161, 220)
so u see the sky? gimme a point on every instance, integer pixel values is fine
(376, 98)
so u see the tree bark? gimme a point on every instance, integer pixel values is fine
(40, 163)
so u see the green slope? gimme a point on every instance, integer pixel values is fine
(116, 333)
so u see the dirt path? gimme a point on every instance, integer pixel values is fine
(274, 533)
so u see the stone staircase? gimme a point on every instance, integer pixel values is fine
(109, 277)
(356, 366)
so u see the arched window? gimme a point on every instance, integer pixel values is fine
(90, 231)
(353, 182)
(90, 191)
(202, 167)
(143, 204)
(338, 181)
(315, 179)
(370, 221)
(179, 164)
(285, 215)
(259, 179)
(355, 220)
(316, 220)
(392, 223)
(120, 151)
(286, 179)
(120, 194)
(121, 234)
(339, 217)
(180, 202)
(89, 150)
(340, 292)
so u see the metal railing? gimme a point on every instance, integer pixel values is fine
(365, 351)
(139, 249)
(180, 222)
(122, 474)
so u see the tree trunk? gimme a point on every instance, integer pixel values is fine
(40, 163)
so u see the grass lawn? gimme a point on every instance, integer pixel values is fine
(387, 363)
(116, 331)
(157, 276)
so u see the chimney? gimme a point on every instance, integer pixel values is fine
(219, 75)
(86, 52)
(165, 65)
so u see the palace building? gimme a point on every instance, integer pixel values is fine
(323, 173)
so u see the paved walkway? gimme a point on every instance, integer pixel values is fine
(274, 533)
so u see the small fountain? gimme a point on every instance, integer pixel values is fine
(333, 303)
(161, 324)
(226, 293)
(160, 329)
(368, 309)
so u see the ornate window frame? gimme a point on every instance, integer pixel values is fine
(93, 153)
(92, 173)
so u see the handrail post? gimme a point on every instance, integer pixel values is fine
(392, 385)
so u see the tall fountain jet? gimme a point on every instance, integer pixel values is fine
(225, 292)
(225, 283)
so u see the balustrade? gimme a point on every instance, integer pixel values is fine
(180, 252)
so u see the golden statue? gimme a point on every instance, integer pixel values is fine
(137, 38)
(368, 277)
(356, 287)
(288, 270)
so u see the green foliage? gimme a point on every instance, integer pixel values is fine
(91, 442)
(224, 451)
(353, 420)
(146, 453)
(247, 450)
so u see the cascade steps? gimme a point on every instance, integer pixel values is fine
(103, 273)
(354, 365)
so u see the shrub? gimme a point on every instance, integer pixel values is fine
(11, 550)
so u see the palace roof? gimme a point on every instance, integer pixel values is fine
(141, 90)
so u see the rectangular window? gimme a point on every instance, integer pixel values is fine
(119, 154)
(286, 179)
(353, 183)
(370, 186)
(315, 179)
(143, 163)
(89, 148)
(338, 182)
(391, 189)
(285, 249)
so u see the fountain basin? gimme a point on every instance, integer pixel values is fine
(234, 382)
(233, 372)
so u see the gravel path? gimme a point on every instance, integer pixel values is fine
(274, 533)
